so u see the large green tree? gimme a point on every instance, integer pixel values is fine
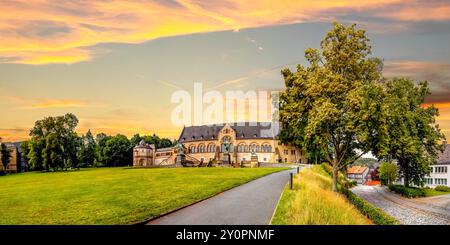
(117, 151)
(332, 103)
(87, 150)
(388, 172)
(25, 150)
(54, 143)
(413, 136)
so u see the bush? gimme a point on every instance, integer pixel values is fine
(442, 188)
(409, 192)
(375, 214)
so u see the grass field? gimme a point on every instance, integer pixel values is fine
(432, 192)
(311, 202)
(111, 195)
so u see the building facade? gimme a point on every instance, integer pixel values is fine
(14, 164)
(358, 174)
(237, 144)
(439, 172)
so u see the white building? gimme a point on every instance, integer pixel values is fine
(440, 174)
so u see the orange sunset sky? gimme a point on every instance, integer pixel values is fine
(115, 64)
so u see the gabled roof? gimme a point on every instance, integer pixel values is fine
(356, 170)
(444, 157)
(245, 130)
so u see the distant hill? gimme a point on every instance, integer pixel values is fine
(366, 162)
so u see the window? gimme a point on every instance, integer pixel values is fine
(440, 181)
(292, 152)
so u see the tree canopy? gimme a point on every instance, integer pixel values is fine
(328, 104)
(340, 107)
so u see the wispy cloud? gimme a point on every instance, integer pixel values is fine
(44, 103)
(437, 74)
(254, 74)
(67, 31)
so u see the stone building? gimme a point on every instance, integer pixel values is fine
(237, 144)
(14, 164)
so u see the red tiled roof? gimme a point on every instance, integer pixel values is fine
(356, 170)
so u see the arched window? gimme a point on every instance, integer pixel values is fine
(201, 148)
(241, 147)
(211, 148)
(192, 149)
(266, 147)
(254, 147)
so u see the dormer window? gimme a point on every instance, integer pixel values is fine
(255, 135)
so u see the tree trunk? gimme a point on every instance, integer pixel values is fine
(406, 179)
(335, 178)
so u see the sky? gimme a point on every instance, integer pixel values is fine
(115, 64)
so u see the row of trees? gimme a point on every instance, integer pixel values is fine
(54, 145)
(340, 107)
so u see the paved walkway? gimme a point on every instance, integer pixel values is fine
(419, 211)
(250, 204)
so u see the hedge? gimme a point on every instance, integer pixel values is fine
(409, 192)
(375, 214)
(442, 188)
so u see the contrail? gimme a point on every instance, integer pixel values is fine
(253, 74)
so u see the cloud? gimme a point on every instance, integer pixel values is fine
(437, 74)
(13, 134)
(50, 31)
(45, 103)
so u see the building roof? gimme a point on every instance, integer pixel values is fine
(245, 130)
(444, 157)
(165, 149)
(356, 170)
(142, 144)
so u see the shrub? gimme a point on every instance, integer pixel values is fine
(375, 214)
(442, 188)
(409, 192)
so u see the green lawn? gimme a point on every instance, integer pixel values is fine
(432, 192)
(111, 195)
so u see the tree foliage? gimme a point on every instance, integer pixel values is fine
(54, 143)
(413, 138)
(328, 104)
(342, 105)
(87, 150)
(388, 172)
(5, 155)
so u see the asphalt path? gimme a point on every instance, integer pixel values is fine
(252, 203)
